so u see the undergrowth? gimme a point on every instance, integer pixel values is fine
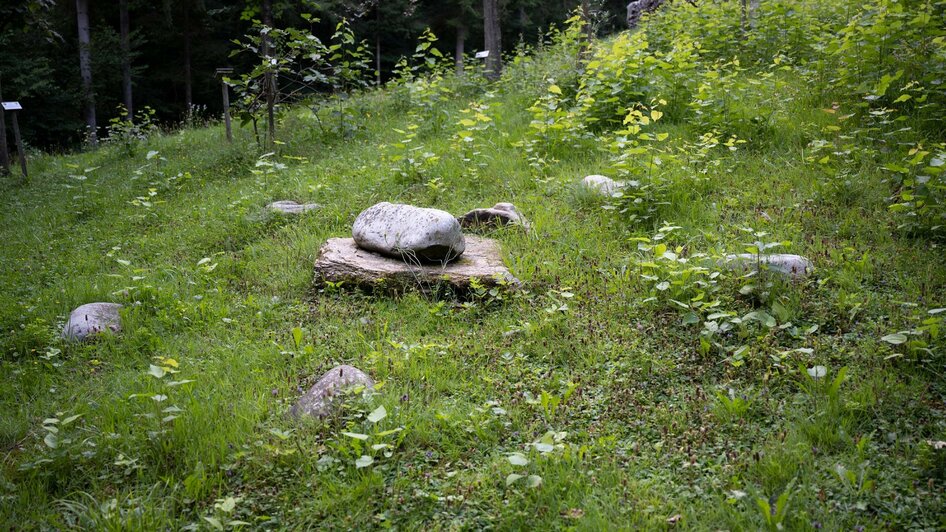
(633, 382)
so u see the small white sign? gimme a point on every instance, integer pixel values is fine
(482, 55)
(12, 106)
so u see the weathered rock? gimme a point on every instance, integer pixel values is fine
(604, 186)
(91, 319)
(323, 396)
(498, 215)
(291, 207)
(792, 266)
(341, 260)
(409, 233)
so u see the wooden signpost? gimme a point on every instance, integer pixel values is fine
(224, 73)
(13, 107)
(4, 155)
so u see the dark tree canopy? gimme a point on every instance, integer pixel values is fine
(170, 49)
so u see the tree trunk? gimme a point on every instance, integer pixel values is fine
(269, 81)
(377, 42)
(589, 26)
(126, 58)
(458, 55)
(636, 8)
(4, 154)
(588, 33)
(493, 39)
(85, 67)
(744, 18)
(188, 81)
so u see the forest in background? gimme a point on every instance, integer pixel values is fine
(654, 370)
(175, 47)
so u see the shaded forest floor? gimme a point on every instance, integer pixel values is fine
(616, 406)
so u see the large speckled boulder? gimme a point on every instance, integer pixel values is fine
(413, 234)
(605, 186)
(91, 319)
(291, 207)
(791, 266)
(322, 397)
(501, 214)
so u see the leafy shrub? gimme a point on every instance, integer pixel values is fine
(128, 133)
(920, 199)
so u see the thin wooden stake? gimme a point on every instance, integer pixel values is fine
(4, 154)
(226, 110)
(19, 144)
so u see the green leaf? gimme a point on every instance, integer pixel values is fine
(214, 522)
(364, 461)
(51, 440)
(518, 459)
(356, 435)
(156, 371)
(281, 434)
(534, 481)
(895, 338)
(512, 477)
(70, 419)
(762, 317)
(378, 414)
(554, 89)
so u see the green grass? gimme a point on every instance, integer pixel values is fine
(645, 439)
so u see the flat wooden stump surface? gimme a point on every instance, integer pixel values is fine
(341, 260)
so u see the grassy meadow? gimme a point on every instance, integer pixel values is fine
(632, 383)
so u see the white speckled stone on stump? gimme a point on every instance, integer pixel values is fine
(340, 260)
(409, 233)
(291, 207)
(322, 397)
(792, 266)
(498, 215)
(91, 319)
(605, 186)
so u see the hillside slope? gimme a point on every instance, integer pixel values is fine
(633, 382)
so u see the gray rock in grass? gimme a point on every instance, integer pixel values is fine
(291, 207)
(791, 266)
(322, 398)
(413, 234)
(501, 214)
(605, 186)
(91, 319)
